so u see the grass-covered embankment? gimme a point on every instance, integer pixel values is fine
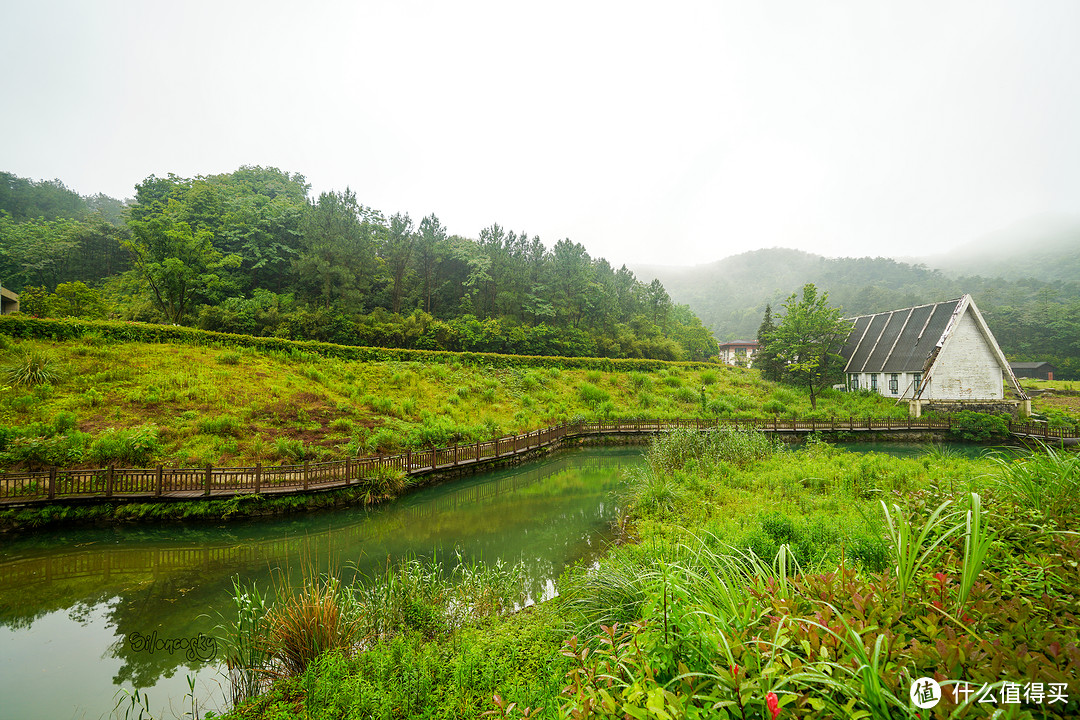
(757, 578)
(97, 400)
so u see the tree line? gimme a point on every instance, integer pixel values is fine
(250, 252)
(1032, 319)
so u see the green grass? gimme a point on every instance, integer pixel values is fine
(282, 406)
(825, 579)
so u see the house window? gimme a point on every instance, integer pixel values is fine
(853, 381)
(873, 381)
(917, 381)
(894, 383)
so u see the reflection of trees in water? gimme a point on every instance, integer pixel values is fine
(173, 580)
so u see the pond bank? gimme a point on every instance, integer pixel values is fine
(92, 512)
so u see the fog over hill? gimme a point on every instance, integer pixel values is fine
(1030, 293)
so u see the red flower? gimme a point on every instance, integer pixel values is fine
(735, 670)
(773, 704)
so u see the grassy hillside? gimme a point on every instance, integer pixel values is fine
(135, 403)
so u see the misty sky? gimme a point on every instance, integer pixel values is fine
(673, 133)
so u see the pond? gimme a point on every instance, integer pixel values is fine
(84, 614)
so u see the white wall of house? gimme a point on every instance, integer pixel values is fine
(966, 368)
(737, 356)
(894, 385)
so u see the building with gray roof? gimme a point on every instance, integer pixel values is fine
(938, 352)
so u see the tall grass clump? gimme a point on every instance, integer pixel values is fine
(136, 447)
(30, 368)
(1046, 482)
(977, 539)
(913, 545)
(674, 450)
(307, 620)
(221, 425)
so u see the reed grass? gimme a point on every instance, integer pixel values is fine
(912, 545)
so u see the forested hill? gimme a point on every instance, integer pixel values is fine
(1048, 250)
(251, 252)
(1032, 319)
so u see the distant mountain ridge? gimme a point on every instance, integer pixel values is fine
(1033, 318)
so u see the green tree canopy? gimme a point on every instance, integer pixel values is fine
(806, 341)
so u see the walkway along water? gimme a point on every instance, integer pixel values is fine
(78, 605)
(46, 486)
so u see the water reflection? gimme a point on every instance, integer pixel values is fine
(101, 593)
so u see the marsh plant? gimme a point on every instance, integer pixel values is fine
(320, 613)
(30, 368)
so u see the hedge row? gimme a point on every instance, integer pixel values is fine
(20, 326)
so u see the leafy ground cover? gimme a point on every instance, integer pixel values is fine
(95, 401)
(756, 582)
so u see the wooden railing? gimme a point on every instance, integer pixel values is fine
(112, 482)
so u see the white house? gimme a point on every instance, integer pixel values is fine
(738, 352)
(940, 352)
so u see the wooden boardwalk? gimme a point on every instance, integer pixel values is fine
(106, 484)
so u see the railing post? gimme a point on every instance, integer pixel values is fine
(209, 477)
(305, 475)
(348, 470)
(477, 451)
(109, 481)
(258, 478)
(158, 481)
(52, 482)
(455, 454)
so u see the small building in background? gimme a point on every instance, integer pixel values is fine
(940, 355)
(9, 301)
(1034, 370)
(738, 352)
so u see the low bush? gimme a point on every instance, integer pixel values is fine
(135, 448)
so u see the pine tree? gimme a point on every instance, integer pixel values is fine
(765, 358)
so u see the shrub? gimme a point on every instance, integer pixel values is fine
(591, 394)
(977, 427)
(686, 395)
(290, 449)
(221, 425)
(775, 407)
(720, 407)
(134, 447)
(709, 377)
(229, 358)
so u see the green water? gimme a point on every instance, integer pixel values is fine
(77, 606)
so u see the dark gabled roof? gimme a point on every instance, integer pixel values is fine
(738, 342)
(897, 341)
(1030, 365)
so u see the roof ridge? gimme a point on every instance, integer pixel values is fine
(913, 307)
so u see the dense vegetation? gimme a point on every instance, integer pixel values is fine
(250, 252)
(756, 582)
(1033, 318)
(198, 398)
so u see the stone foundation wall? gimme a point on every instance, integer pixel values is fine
(995, 407)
